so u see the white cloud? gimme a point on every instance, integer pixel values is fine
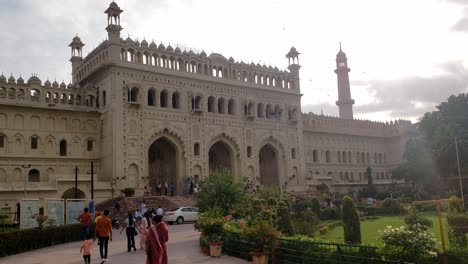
(385, 41)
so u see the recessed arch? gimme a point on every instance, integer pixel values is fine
(268, 164)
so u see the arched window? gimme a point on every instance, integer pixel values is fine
(151, 97)
(133, 95)
(344, 157)
(196, 149)
(63, 147)
(358, 158)
(315, 155)
(363, 157)
(293, 153)
(328, 156)
(380, 158)
(338, 154)
(260, 110)
(249, 152)
(34, 142)
(103, 98)
(368, 158)
(251, 109)
(350, 159)
(175, 100)
(221, 106)
(231, 107)
(211, 104)
(34, 176)
(163, 99)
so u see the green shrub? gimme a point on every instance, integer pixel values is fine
(271, 201)
(129, 192)
(211, 224)
(220, 190)
(454, 205)
(351, 224)
(392, 205)
(284, 223)
(306, 223)
(414, 217)
(330, 214)
(458, 228)
(14, 242)
(316, 206)
(407, 245)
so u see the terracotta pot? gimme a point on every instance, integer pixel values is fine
(260, 257)
(215, 249)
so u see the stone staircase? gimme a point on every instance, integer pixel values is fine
(131, 204)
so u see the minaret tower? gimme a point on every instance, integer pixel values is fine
(76, 54)
(113, 22)
(293, 61)
(345, 103)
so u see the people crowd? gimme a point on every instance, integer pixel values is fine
(144, 222)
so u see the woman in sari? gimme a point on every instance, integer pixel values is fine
(156, 239)
(144, 226)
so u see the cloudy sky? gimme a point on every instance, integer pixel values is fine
(406, 56)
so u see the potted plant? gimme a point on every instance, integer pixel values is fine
(263, 235)
(211, 225)
(129, 192)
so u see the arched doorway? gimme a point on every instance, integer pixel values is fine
(162, 160)
(220, 157)
(70, 194)
(268, 164)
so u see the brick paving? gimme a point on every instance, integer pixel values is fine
(183, 249)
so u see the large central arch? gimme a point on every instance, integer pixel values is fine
(163, 163)
(268, 164)
(220, 156)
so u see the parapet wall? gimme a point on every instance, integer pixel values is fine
(53, 95)
(215, 65)
(328, 124)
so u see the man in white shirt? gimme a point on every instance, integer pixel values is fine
(138, 215)
(159, 211)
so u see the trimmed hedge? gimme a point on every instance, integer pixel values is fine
(19, 241)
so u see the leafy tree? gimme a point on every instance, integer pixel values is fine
(265, 192)
(220, 190)
(284, 223)
(417, 169)
(316, 206)
(351, 224)
(439, 129)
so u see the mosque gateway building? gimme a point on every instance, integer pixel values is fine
(145, 114)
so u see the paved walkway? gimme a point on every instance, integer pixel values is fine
(184, 248)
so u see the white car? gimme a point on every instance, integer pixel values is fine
(181, 215)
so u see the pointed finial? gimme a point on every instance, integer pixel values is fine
(340, 45)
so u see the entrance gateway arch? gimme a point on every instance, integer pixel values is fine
(164, 158)
(268, 164)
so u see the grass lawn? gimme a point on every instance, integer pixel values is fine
(370, 229)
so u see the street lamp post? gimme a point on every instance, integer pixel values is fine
(459, 173)
(25, 176)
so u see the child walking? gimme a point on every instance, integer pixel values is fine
(86, 249)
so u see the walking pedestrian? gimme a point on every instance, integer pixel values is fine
(159, 211)
(156, 248)
(172, 189)
(85, 220)
(144, 226)
(103, 232)
(142, 208)
(130, 230)
(86, 249)
(165, 188)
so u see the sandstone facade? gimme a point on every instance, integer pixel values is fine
(146, 114)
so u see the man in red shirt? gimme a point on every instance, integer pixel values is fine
(85, 219)
(103, 231)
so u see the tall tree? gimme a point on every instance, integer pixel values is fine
(439, 130)
(351, 224)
